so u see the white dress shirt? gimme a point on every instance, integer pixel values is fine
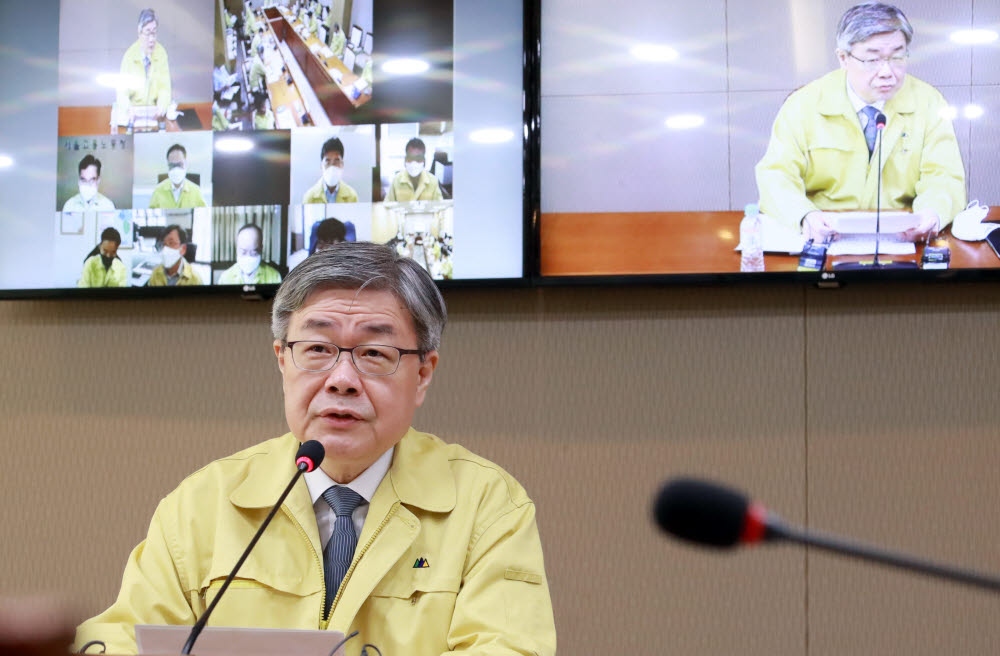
(365, 484)
(859, 104)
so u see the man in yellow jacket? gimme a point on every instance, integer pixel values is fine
(249, 270)
(331, 187)
(421, 546)
(819, 157)
(414, 182)
(175, 270)
(145, 73)
(177, 190)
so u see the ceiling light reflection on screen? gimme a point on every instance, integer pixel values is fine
(233, 145)
(972, 111)
(491, 135)
(6, 161)
(684, 121)
(405, 66)
(654, 53)
(974, 37)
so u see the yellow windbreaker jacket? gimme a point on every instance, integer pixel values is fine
(817, 158)
(449, 559)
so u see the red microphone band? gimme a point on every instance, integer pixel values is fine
(310, 465)
(755, 524)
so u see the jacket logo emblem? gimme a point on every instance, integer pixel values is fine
(421, 564)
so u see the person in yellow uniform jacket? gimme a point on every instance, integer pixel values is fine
(105, 268)
(263, 117)
(250, 20)
(331, 188)
(220, 122)
(336, 37)
(258, 39)
(177, 191)
(174, 270)
(413, 182)
(249, 270)
(145, 72)
(258, 72)
(818, 158)
(445, 555)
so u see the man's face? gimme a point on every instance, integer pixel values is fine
(147, 37)
(414, 155)
(356, 417)
(89, 176)
(176, 159)
(882, 79)
(109, 248)
(173, 240)
(247, 243)
(332, 158)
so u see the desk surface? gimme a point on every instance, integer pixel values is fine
(641, 243)
(88, 121)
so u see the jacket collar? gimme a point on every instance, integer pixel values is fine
(420, 475)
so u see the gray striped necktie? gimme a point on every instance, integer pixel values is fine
(870, 112)
(339, 550)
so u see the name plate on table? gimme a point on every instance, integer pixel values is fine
(230, 641)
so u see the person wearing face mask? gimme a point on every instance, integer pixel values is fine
(145, 73)
(824, 156)
(331, 188)
(249, 270)
(177, 191)
(414, 182)
(104, 268)
(174, 270)
(88, 199)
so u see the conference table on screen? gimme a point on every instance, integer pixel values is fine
(643, 243)
(90, 121)
(333, 97)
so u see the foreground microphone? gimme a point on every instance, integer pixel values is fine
(880, 121)
(308, 458)
(712, 515)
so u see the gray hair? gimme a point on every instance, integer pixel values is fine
(146, 16)
(861, 22)
(363, 265)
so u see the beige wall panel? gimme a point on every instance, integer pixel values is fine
(903, 453)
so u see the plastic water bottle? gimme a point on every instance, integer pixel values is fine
(751, 249)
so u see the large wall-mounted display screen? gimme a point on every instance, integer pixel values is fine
(663, 120)
(220, 142)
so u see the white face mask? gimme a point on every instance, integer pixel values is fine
(248, 263)
(331, 175)
(413, 169)
(88, 191)
(176, 175)
(170, 256)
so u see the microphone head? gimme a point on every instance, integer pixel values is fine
(701, 512)
(309, 455)
(880, 121)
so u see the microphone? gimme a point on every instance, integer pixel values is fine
(880, 121)
(307, 458)
(716, 516)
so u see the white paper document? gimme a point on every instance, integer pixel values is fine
(864, 244)
(864, 222)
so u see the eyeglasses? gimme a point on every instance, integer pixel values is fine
(896, 61)
(149, 34)
(370, 359)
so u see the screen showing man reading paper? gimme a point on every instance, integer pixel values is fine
(827, 143)
(783, 114)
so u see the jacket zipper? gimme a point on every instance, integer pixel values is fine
(350, 570)
(319, 563)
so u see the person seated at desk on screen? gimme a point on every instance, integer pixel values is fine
(823, 153)
(258, 71)
(421, 546)
(336, 37)
(249, 19)
(331, 188)
(88, 199)
(177, 191)
(258, 39)
(175, 270)
(104, 268)
(249, 270)
(220, 113)
(145, 73)
(413, 182)
(263, 117)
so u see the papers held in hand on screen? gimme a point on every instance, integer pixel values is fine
(855, 230)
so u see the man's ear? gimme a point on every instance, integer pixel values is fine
(425, 372)
(280, 354)
(842, 58)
